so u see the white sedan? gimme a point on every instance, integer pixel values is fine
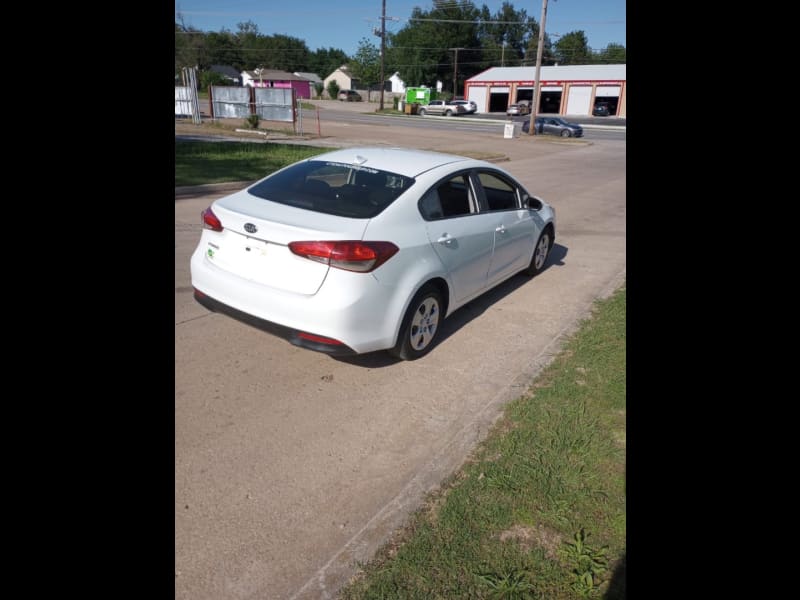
(367, 249)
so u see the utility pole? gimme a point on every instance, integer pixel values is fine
(455, 68)
(538, 84)
(383, 48)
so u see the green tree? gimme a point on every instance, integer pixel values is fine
(250, 43)
(548, 54)
(282, 52)
(366, 64)
(247, 28)
(573, 49)
(208, 78)
(504, 35)
(423, 51)
(613, 54)
(278, 51)
(325, 61)
(188, 44)
(221, 48)
(333, 89)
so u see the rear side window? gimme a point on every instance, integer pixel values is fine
(340, 189)
(449, 198)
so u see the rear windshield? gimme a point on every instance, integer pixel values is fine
(340, 189)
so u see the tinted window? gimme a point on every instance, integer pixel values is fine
(339, 189)
(500, 194)
(449, 198)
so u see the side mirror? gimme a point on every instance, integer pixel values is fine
(532, 202)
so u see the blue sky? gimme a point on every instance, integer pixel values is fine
(343, 23)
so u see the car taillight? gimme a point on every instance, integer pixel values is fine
(361, 257)
(210, 220)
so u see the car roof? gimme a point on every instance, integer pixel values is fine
(403, 161)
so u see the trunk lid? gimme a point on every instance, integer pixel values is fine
(255, 237)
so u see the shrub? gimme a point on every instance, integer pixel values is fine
(252, 121)
(333, 89)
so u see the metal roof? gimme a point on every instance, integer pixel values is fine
(560, 73)
(310, 76)
(274, 75)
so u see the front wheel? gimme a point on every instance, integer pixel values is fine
(421, 112)
(420, 325)
(565, 133)
(540, 253)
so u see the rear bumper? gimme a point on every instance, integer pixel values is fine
(355, 309)
(293, 336)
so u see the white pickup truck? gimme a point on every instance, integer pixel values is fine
(440, 107)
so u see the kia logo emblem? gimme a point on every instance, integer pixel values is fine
(250, 228)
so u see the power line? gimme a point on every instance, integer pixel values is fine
(235, 39)
(475, 21)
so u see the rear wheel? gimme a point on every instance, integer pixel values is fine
(540, 252)
(449, 113)
(420, 325)
(565, 133)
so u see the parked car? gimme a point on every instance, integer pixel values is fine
(554, 126)
(601, 110)
(349, 96)
(520, 108)
(440, 107)
(470, 105)
(366, 249)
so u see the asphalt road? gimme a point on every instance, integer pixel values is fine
(290, 465)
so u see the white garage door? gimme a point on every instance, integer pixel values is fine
(607, 90)
(578, 101)
(479, 95)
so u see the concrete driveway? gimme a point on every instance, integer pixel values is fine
(290, 465)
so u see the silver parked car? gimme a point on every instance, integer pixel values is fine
(469, 105)
(520, 108)
(554, 126)
(440, 107)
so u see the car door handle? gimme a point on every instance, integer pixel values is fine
(445, 239)
(501, 229)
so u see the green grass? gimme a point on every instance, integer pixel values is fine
(198, 163)
(539, 509)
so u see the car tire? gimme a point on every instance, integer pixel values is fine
(448, 113)
(421, 112)
(540, 252)
(420, 326)
(566, 133)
